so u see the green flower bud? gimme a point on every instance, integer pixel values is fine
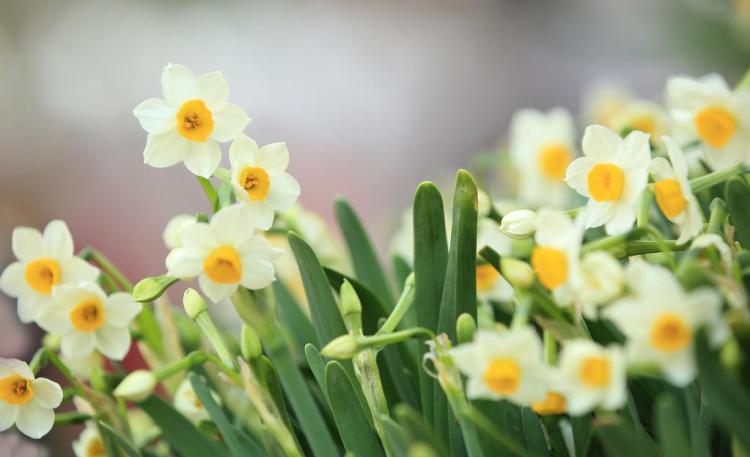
(349, 300)
(517, 272)
(193, 302)
(465, 328)
(342, 347)
(137, 386)
(149, 289)
(250, 345)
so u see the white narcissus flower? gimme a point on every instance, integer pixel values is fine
(26, 401)
(89, 443)
(503, 365)
(707, 109)
(612, 174)
(172, 235)
(590, 375)
(188, 403)
(190, 122)
(259, 178)
(603, 101)
(660, 320)
(673, 194)
(541, 147)
(87, 319)
(555, 257)
(642, 115)
(490, 284)
(224, 254)
(44, 261)
(601, 279)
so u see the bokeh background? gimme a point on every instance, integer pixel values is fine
(371, 97)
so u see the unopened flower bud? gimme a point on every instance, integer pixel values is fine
(419, 449)
(519, 224)
(465, 328)
(193, 302)
(137, 386)
(250, 345)
(517, 272)
(349, 300)
(342, 347)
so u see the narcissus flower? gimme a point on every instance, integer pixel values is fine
(673, 194)
(553, 403)
(542, 147)
(503, 365)
(490, 284)
(555, 257)
(660, 320)
(259, 178)
(188, 404)
(612, 174)
(590, 375)
(601, 279)
(642, 115)
(224, 254)
(603, 101)
(44, 261)
(191, 120)
(87, 319)
(89, 443)
(172, 235)
(26, 401)
(707, 109)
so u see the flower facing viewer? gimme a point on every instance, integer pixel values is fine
(27, 401)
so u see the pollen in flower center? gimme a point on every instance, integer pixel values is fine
(486, 276)
(88, 315)
(503, 375)
(96, 448)
(669, 197)
(605, 182)
(42, 274)
(595, 371)
(194, 120)
(223, 265)
(716, 126)
(256, 182)
(670, 333)
(15, 389)
(553, 161)
(550, 265)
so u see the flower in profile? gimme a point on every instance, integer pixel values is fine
(191, 120)
(26, 401)
(660, 320)
(642, 115)
(188, 403)
(555, 256)
(707, 109)
(490, 284)
(541, 147)
(44, 261)
(612, 174)
(673, 194)
(172, 235)
(224, 254)
(503, 365)
(87, 319)
(590, 375)
(259, 178)
(89, 443)
(601, 279)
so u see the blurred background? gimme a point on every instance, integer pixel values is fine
(371, 97)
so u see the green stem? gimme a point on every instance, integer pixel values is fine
(603, 244)
(402, 307)
(639, 247)
(521, 314)
(550, 348)
(224, 174)
(378, 341)
(717, 177)
(67, 374)
(71, 418)
(490, 428)
(717, 216)
(643, 208)
(38, 360)
(206, 324)
(106, 265)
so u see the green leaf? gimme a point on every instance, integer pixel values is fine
(560, 330)
(737, 195)
(317, 366)
(556, 439)
(217, 415)
(398, 438)
(150, 330)
(621, 440)
(225, 194)
(149, 289)
(269, 378)
(179, 432)
(210, 191)
(121, 442)
(583, 432)
(355, 429)
(401, 268)
(367, 267)
(414, 423)
(533, 433)
(671, 428)
(372, 308)
(293, 318)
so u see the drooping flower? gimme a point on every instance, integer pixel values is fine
(660, 320)
(503, 365)
(191, 120)
(189, 405)
(27, 401)
(612, 174)
(601, 279)
(490, 284)
(224, 254)
(673, 194)
(259, 178)
(44, 261)
(89, 443)
(707, 109)
(172, 235)
(542, 147)
(555, 257)
(87, 319)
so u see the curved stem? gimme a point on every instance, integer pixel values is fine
(106, 265)
(717, 177)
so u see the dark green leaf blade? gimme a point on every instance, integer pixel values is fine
(121, 442)
(217, 415)
(737, 195)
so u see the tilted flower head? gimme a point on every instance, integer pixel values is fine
(601, 279)
(89, 443)
(660, 320)
(542, 146)
(555, 257)
(224, 254)
(707, 109)
(642, 115)
(259, 178)
(191, 120)
(503, 365)
(44, 261)
(673, 194)
(490, 284)
(612, 174)
(591, 375)
(87, 319)
(172, 235)
(26, 401)
(188, 404)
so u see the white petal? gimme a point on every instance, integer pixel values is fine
(8, 414)
(257, 274)
(34, 421)
(597, 214)
(660, 169)
(214, 291)
(120, 309)
(54, 319)
(229, 122)
(10, 366)
(577, 174)
(274, 156)
(212, 89)
(284, 191)
(262, 214)
(178, 84)
(243, 151)
(47, 394)
(77, 344)
(58, 243)
(233, 224)
(31, 306)
(677, 157)
(13, 281)
(202, 158)
(27, 243)
(70, 294)
(601, 143)
(113, 342)
(622, 220)
(156, 116)
(257, 247)
(681, 369)
(76, 269)
(182, 264)
(164, 149)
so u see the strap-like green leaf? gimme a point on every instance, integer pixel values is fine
(120, 441)
(293, 318)
(737, 195)
(533, 433)
(217, 415)
(622, 440)
(372, 308)
(671, 427)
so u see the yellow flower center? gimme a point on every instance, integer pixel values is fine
(503, 376)
(716, 126)
(194, 120)
(605, 182)
(670, 333)
(96, 448)
(595, 371)
(256, 182)
(553, 403)
(553, 161)
(486, 276)
(223, 265)
(550, 266)
(669, 197)
(644, 124)
(88, 315)
(15, 389)
(42, 274)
